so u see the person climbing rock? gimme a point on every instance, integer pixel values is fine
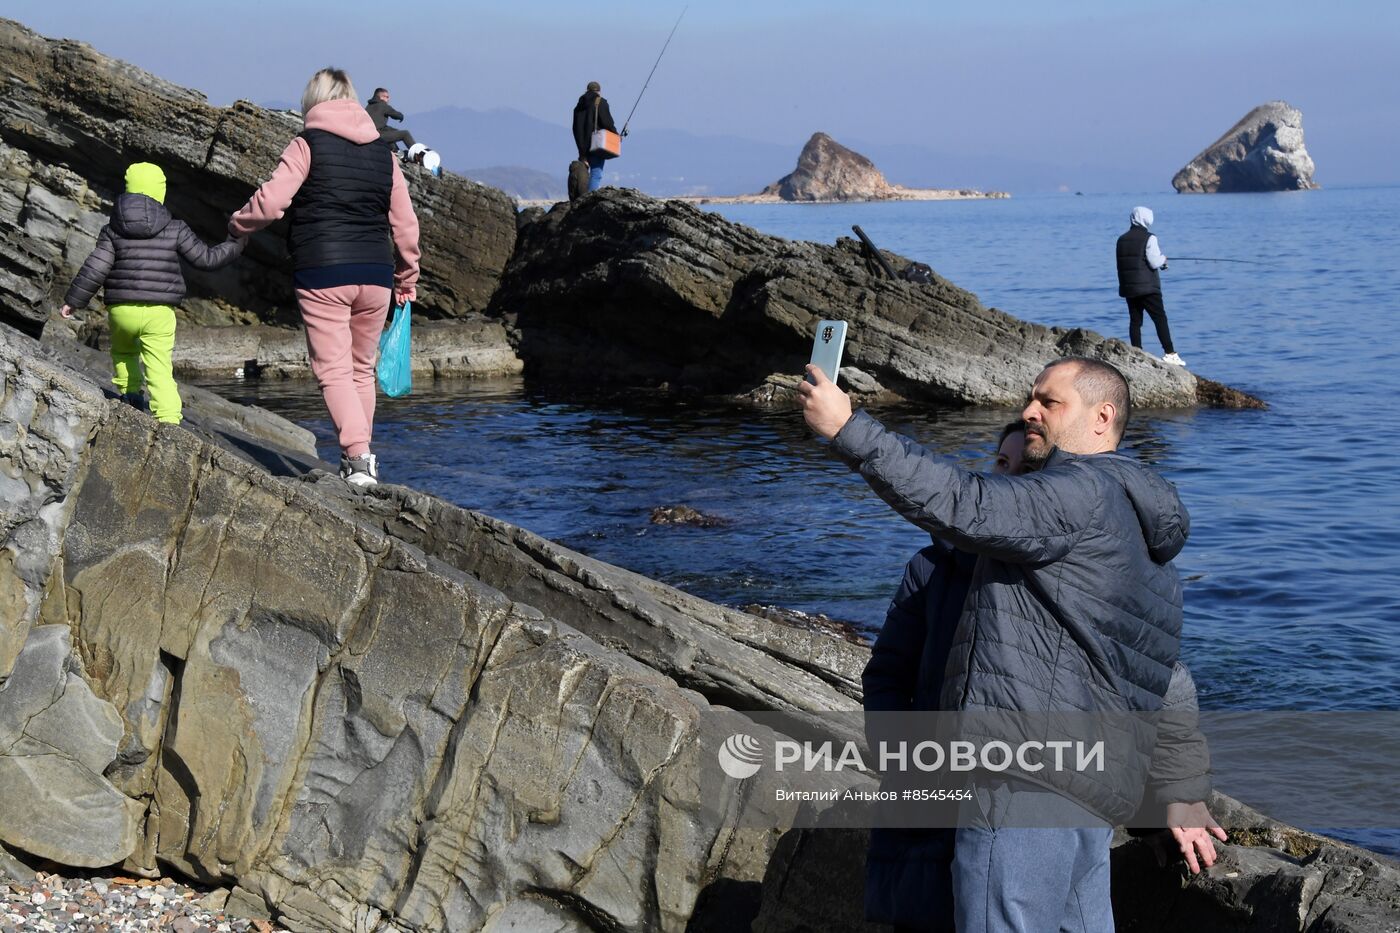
(137, 264)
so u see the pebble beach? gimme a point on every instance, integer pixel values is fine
(116, 904)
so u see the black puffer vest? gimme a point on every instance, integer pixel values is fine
(341, 213)
(1135, 276)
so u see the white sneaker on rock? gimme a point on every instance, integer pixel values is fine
(1171, 359)
(360, 471)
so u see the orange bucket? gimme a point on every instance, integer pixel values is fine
(607, 143)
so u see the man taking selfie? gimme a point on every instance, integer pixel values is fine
(1073, 605)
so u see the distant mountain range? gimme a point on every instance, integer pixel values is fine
(529, 157)
(528, 183)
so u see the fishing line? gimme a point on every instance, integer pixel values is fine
(1251, 262)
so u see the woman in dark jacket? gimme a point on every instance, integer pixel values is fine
(908, 871)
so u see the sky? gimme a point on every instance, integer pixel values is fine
(1072, 82)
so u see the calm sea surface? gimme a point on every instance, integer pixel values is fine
(1293, 567)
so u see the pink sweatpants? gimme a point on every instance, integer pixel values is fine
(343, 325)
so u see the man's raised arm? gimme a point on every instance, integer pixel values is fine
(1020, 519)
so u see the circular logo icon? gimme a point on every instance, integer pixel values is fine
(740, 756)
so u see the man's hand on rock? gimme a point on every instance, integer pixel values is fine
(824, 405)
(66, 311)
(1192, 827)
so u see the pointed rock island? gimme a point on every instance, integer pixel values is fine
(828, 171)
(1264, 151)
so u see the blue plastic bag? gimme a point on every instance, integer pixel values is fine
(395, 369)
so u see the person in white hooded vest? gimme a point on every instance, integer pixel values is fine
(1140, 262)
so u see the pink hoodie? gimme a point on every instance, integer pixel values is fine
(347, 119)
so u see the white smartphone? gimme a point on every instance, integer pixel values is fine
(827, 347)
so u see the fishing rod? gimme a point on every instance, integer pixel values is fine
(1251, 262)
(653, 71)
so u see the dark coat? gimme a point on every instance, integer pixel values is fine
(137, 256)
(1074, 604)
(588, 118)
(908, 872)
(381, 113)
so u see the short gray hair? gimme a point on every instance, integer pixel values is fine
(327, 84)
(1097, 382)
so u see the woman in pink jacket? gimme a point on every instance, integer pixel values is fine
(354, 242)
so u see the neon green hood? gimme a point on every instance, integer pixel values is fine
(146, 178)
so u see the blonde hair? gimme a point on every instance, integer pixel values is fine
(327, 84)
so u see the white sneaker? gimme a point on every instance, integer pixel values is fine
(1171, 359)
(360, 471)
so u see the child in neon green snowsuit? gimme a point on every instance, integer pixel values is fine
(137, 264)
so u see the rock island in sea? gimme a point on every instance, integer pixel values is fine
(828, 172)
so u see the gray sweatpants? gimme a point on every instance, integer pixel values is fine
(1017, 868)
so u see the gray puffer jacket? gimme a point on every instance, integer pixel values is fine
(137, 256)
(1074, 604)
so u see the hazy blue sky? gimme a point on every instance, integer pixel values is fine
(1069, 81)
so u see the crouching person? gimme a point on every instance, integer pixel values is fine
(137, 265)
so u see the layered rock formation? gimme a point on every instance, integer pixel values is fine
(1264, 151)
(472, 345)
(623, 288)
(71, 119)
(266, 688)
(828, 171)
(383, 712)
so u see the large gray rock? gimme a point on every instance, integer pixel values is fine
(206, 410)
(472, 346)
(621, 288)
(730, 657)
(348, 728)
(47, 419)
(56, 738)
(1264, 151)
(71, 119)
